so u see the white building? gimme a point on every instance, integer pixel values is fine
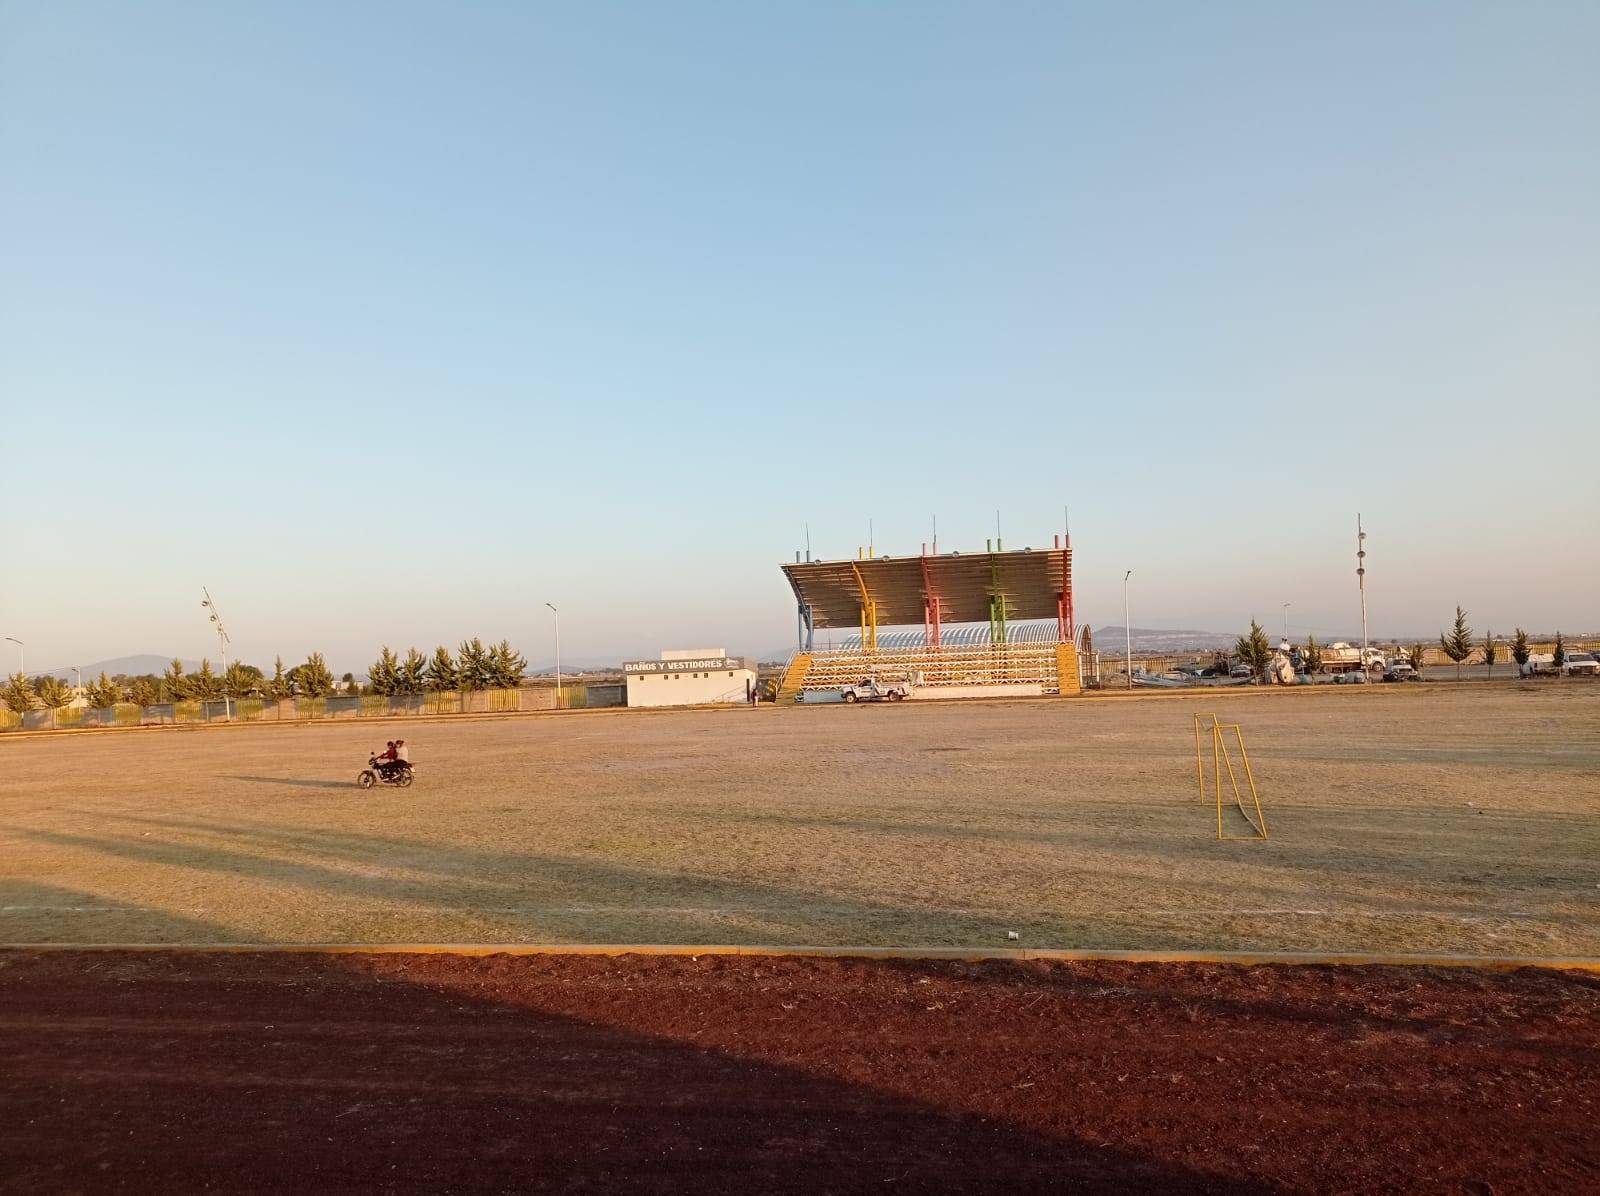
(698, 677)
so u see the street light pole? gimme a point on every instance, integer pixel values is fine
(1127, 626)
(1361, 577)
(222, 643)
(79, 673)
(22, 658)
(557, 614)
(1286, 607)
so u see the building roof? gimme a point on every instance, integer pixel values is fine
(1032, 581)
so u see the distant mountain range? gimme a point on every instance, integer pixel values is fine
(1160, 639)
(130, 666)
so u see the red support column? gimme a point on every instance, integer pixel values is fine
(1067, 625)
(930, 606)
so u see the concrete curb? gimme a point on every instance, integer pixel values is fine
(1495, 963)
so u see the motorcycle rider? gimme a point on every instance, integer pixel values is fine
(388, 758)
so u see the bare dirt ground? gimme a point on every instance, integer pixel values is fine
(1402, 818)
(173, 1071)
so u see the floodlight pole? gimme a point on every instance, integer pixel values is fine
(79, 673)
(1361, 579)
(1127, 627)
(222, 644)
(22, 656)
(557, 614)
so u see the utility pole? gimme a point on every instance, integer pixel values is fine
(222, 643)
(1286, 607)
(1127, 626)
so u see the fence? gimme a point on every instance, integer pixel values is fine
(256, 710)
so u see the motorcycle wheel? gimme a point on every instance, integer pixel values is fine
(366, 779)
(404, 779)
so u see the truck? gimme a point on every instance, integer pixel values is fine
(1582, 662)
(870, 689)
(1399, 669)
(1540, 664)
(1341, 657)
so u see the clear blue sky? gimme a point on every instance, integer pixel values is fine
(393, 321)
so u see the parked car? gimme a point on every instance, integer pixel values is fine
(1581, 663)
(1400, 670)
(1241, 670)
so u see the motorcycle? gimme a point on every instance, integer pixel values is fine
(396, 773)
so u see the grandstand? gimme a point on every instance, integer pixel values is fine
(957, 624)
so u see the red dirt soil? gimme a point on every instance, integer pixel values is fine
(179, 1070)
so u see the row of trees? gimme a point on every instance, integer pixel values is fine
(1459, 645)
(476, 667)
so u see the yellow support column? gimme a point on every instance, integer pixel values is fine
(869, 614)
(1067, 670)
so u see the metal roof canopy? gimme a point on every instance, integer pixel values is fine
(1032, 582)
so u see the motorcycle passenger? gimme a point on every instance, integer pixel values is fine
(402, 754)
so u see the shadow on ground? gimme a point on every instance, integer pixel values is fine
(291, 1072)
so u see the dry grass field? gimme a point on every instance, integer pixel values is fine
(1437, 818)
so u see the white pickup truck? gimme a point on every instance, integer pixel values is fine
(1583, 663)
(872, 690)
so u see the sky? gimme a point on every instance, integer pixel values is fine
(393, 322)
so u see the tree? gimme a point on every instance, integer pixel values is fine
(142, 691)
(282, 685)
(19, 693)
(1559, 654)
(1520, 651)
(413, 675)
(313, 678)
(54, 692)
(1312, 656)
(351, 686)
(176, 683)
(1416, 655)
(474, 670)
(205, 684)
(1490, 652)
(1253, 650)
(506, 666)
(442, 674)
(383, 674)
(104, 693)
(1457, 642)
(241, 680)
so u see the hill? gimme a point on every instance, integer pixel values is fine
(132, 666)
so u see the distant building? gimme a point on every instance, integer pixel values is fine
(695, 677)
